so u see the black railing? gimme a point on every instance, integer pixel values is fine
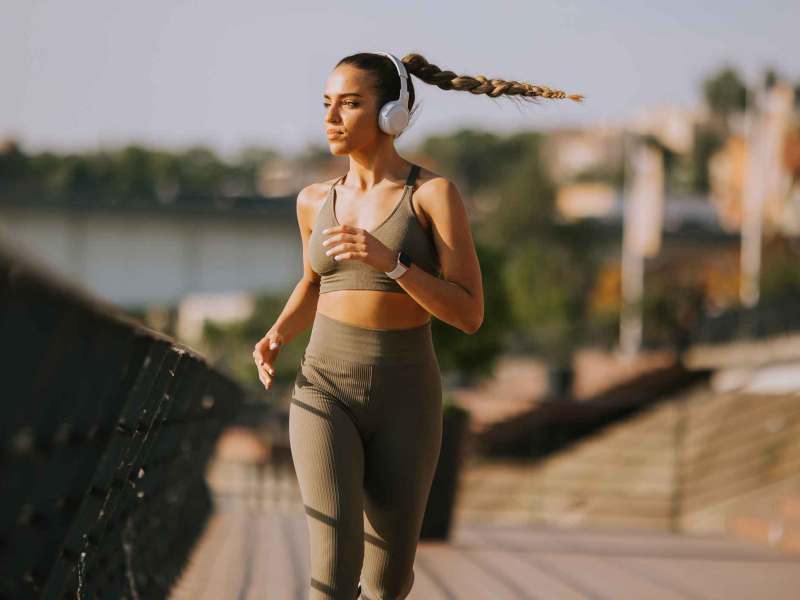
(768, 318)
(106, 431)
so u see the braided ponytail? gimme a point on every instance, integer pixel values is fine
(416, 64)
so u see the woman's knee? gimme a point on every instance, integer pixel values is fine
(386, 586)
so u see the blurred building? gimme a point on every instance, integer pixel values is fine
(672, 126)
(277, 177)
(768, 153)
(573, 153)
(582, 200)
(285, 177)
(195, 309)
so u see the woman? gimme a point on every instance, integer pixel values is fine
(365, 421)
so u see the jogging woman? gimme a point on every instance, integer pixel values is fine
(385, 246)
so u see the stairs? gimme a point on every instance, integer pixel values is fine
(699, 461)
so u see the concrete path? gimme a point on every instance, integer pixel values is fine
(246, 556)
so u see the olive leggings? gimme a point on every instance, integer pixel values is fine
(365, 429)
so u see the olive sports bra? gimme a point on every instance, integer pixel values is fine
(399, 231)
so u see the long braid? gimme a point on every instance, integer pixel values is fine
(417, 64)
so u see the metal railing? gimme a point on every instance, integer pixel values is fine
(106, 430)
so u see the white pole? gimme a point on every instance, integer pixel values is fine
(641, 237)
(632, 266)
(752, 201)
(630, 332)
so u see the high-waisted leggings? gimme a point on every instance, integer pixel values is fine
(365, 429)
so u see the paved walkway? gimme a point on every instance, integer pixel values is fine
(249, 556)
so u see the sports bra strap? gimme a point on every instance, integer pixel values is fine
(412, 176)
(338, 179)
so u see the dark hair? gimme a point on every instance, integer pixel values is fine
(387, 81)
(385, 77)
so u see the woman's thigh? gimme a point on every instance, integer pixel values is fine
(400, 461)
(328, 455)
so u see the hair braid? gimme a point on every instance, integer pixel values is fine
(416, 64)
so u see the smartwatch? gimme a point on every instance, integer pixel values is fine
(403, 264)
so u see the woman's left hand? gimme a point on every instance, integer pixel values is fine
(346, 242)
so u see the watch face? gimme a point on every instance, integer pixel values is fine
(405, 259)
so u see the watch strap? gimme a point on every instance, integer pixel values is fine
(403, 263)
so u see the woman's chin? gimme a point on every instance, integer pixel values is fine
(338, 149)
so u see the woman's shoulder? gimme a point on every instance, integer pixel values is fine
(310, 200)
(432, 187)
(431, 180)
(314, 194)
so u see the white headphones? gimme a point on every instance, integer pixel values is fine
(393, 116)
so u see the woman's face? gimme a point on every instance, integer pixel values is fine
(351, 114)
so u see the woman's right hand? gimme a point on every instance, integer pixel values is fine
(265, 353)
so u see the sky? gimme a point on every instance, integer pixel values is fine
(101, 73)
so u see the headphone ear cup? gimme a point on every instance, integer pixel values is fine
(393, 117)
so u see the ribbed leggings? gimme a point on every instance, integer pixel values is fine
(365, 429)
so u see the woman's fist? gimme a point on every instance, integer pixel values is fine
(354, 243)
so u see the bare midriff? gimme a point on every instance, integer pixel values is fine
(373, 308)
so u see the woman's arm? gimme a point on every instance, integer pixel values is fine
(457, 298)
(298, 313)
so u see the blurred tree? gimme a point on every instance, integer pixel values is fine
(243, 174)
(14, 165)
(708, 139)
(771, 77)
(549, 278)
(672, 306)
(547, 268)
(134, 178)
(475, 355)
(526, 197)
(470, 158)
(605, 304)
(314, 156)
(230, 345)
(780, 274)
(726, 94)
(200, 172)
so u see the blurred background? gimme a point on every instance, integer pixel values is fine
(637, 367)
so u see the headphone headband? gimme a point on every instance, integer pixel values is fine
(401, 70)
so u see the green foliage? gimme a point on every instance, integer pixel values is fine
(538, 272)
(708, 139)
(771, 77)
(14, 164)
(546, 295)
(526, 197)
(230, 345)
(470, 158)
(475, 355)
(780, 273)
(478, 160)
(131, 175)
(672, 306)
(725, 92)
